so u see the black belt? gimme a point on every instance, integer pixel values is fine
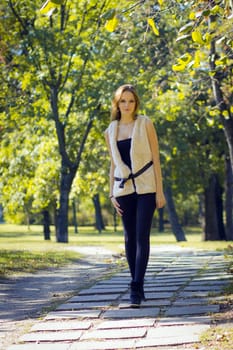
(132, 176)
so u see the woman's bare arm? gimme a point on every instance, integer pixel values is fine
(111, 179)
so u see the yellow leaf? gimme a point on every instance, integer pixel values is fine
(192, 16)
(181, 96)
(207, 37)
(196, 63)
(225, 114)
(197, 37)
(26, 80)
(178, 67)
(231, 109)
(48, 7)
(111, 24)
(153, 26)
(210, 121)
(160, 2)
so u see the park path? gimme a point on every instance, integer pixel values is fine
(182, 287)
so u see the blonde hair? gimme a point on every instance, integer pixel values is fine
(115, 112)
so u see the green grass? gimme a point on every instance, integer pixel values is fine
(23, 250)
(18, 261)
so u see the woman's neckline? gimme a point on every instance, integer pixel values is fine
(127, 123)
(129, 138)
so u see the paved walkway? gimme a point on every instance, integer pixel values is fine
(180, 287)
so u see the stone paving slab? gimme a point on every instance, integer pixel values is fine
(125, 333)
(131, 313)
(194, 294)
(102, 291)
(93, 297)
(51, 336)
(29, 346)
(152, 295)
(73, 314)
(143, 322)
(104, 345)
(147, 304)
(155, 342)
(183, 320)
(61, 325)
(160, 288)
(170, 332)
(203, 288)
(191, 310)
(165, 283)
(84, 306)
(192, 301)
(196, 282)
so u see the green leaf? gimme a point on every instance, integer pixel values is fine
(57, 2)
(109, 14)
(215, 10)
(186, 58)
(151, 23)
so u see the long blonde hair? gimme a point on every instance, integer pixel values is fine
(115, 112)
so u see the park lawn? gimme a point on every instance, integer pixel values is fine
(24, 249)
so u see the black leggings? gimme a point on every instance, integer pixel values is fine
(138, 211)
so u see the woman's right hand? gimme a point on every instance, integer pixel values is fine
(117, 206)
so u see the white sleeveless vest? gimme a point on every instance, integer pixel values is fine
(140, 154)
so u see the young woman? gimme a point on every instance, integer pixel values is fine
(135, 181)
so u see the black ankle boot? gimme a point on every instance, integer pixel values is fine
(135, 294)
(141, 291)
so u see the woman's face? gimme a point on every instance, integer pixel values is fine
(127, 104)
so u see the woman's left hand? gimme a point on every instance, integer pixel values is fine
(160, 200)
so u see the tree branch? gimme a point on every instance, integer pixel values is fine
(88, 128)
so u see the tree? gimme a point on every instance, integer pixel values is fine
(210, 29)
(55, 60)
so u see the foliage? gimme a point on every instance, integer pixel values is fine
(60, 65)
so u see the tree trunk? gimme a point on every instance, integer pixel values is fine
(229, 200)
(75, 221)
(174, 221)
(214, 227)
(222, 105)
(115, 220)
(99, 223)
(46, 225)
(1, 214)
(161, 221)
(62, 219)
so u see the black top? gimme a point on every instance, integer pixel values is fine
(124, 149)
